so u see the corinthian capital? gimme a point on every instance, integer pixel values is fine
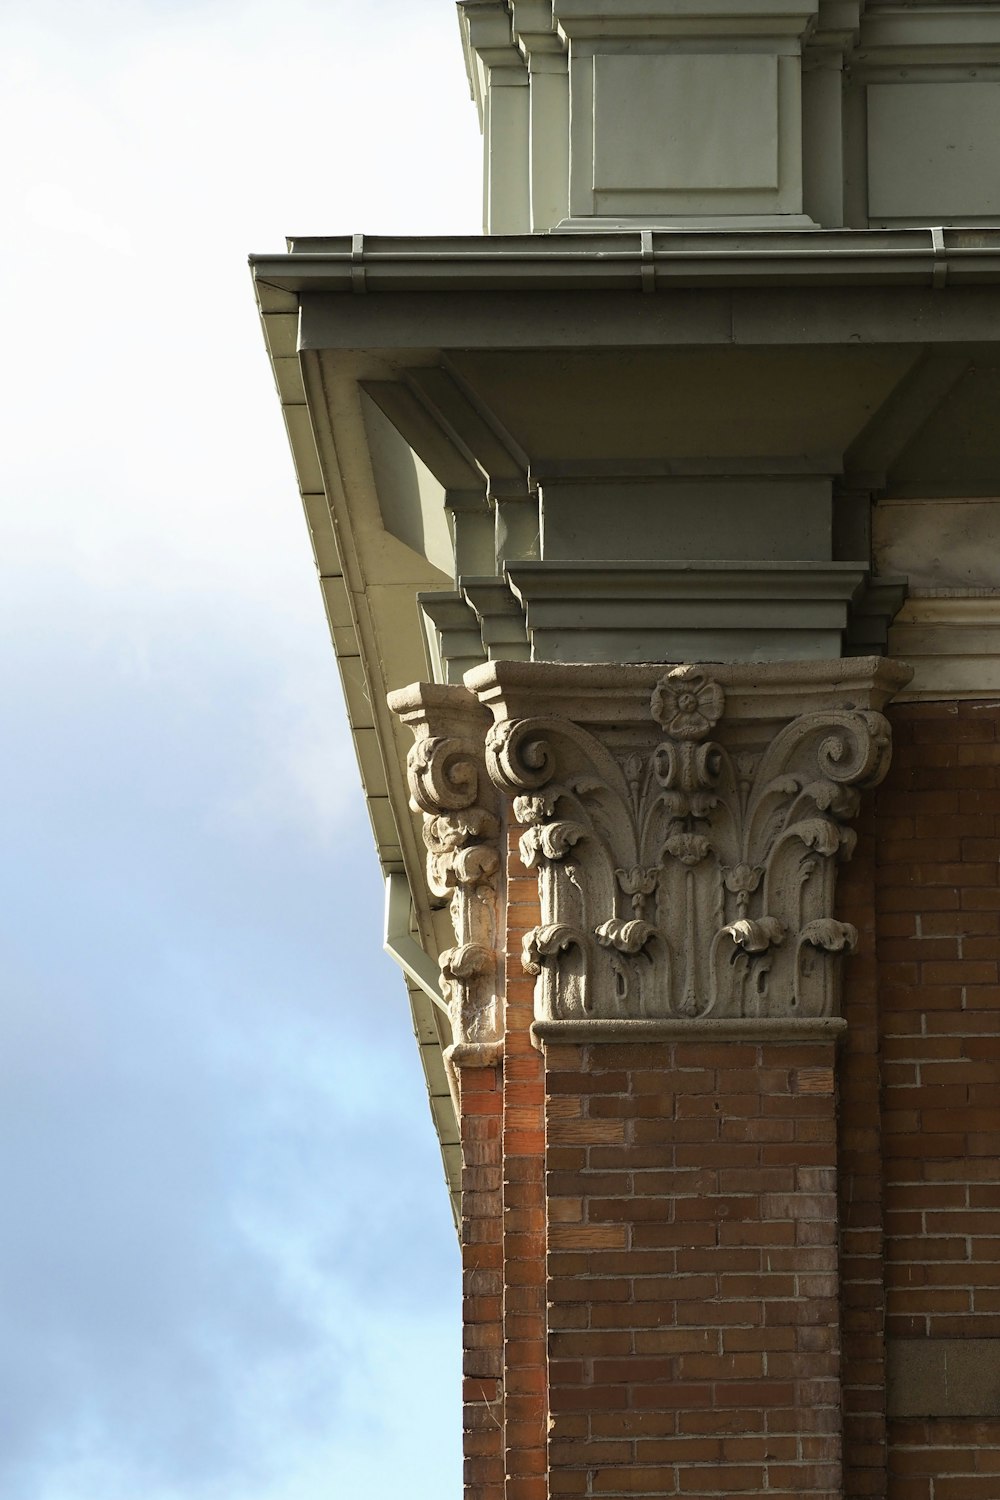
(687, 826)
(448, 784)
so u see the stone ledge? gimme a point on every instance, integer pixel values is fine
(474, 1055)
(943, 1377)
(603, 694)
(766, 1029)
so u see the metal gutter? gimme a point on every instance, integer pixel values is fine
(634, 260)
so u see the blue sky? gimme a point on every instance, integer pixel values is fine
(227, 1265)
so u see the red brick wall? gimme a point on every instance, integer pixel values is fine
(862, 1289)
(945, 1460)
(686, 1202)
(939, 941)
(692, 1270)
(482, 1282)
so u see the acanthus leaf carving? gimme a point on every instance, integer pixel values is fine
(637, 883)
(756, 937)
(558, 955)
(689, 848)
(629, 936)
(464, 971)
(833, 936)
(462, 850)
(819, 834)
(688, 869)
(820, 943)
(741, 881)
(548, 841)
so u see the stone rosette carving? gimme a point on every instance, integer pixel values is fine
(687, 863)
(448, 784)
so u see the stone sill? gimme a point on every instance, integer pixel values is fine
(752, 1029)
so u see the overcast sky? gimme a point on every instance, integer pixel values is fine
(227, 1265)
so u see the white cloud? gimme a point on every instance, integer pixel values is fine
(50, 205)
(148, 431)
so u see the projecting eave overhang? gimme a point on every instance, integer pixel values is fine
(348, 316)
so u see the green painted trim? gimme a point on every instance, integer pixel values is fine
(633, 259)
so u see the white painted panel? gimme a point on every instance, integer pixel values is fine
(933, 150)
(682, 122)
(939, 543)
(507, 134)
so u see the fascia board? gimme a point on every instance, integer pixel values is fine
(936, 31)
(579, 19)
(913, 316)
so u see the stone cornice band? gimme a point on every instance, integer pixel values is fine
(780, 1029)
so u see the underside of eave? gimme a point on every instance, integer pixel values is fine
(279, 318)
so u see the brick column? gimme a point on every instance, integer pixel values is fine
(693, 1311)
(684, 831)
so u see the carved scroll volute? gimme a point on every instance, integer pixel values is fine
(447, 780)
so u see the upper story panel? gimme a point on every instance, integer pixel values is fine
(749, 114)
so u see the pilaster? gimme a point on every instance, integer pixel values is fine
(669, 1245)
(499, 78)
(548, 72)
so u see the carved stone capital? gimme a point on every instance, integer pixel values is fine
(448, 784)
(686, 825)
